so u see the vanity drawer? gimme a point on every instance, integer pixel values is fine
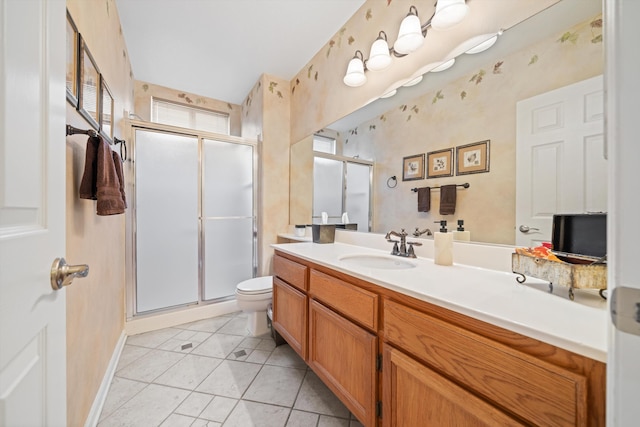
(353, 302)
(534, 390)
(291, 272)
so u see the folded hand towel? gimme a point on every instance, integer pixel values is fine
(88, 188)
(109, 197)
(424, 199)
(118, 164)
(448, 199)
(100, 179)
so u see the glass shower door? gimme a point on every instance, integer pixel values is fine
(228, 217)
(166, 202)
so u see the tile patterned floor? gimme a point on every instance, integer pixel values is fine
(210, 373)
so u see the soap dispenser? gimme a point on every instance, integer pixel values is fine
(443, 245)
(460, 233)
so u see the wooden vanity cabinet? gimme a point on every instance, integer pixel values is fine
(537, 392)
(438, 367)
(415, 396)
(290, 306)
(344, 355)
(343, 342)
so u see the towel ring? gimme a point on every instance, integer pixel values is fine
(395, 182)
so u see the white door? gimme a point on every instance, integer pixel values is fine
(623, 126)
(560, 164)
(32, 203)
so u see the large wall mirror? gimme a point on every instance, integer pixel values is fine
(474, 101)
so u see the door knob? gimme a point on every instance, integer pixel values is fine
(62, 274)
(526, 228)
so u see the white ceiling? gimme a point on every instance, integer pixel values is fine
(219, 48)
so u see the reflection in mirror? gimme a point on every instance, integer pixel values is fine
(476, 100)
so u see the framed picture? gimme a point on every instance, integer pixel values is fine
(413, 167)
(89, 98)
(106, 110)
(72, 61)
(440, 163)
(473, 158)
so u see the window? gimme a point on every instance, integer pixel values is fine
(174, 114)
(324, 144)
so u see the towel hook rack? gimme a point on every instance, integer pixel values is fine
(465, 185)
(75, 131)
(122, 143)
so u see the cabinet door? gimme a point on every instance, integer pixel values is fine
(415, 396)
(290, 315)
(343, 355)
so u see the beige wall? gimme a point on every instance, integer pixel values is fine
(95, 305)
(144, 91)
(266, 113)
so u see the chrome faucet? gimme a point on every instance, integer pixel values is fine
(402, 250)
(419, 233)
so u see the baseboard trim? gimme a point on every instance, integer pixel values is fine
(103, 391)
(166, 320)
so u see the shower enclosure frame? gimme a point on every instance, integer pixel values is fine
(131, 220)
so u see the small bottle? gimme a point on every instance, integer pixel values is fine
(443, 245)
(460, 234)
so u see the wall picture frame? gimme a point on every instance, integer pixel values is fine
(413, 167)
(106, 110)
(440, 163)
(72, 63)
(473, 158)
(89, 87)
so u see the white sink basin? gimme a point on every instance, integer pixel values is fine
(383, 262)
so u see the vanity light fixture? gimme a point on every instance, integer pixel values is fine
(390, 93)
(355, 71)
(486, 44)
(410, 37)
(379, 57)
(444, 66)
(449, 13)
(413, 81)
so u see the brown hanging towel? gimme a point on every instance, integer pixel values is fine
(448, 199)
(424, 199)
(100, 180)
(117, 162)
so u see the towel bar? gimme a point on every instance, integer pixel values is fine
(465, 185)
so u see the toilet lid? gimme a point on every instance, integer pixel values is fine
(257, 285)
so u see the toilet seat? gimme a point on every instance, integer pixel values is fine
(255, 286)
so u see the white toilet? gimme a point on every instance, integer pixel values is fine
(254, 296)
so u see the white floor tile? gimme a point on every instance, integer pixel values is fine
(148, 408)
(230, 379)
(176, 420)
(129, 354)
(189, 372)
(326, 421)
(235, 326)
(219, 409)
(152, 339)
(120, 391)
(284, 355)
(275, 385)
(205, 423)
(302, 419)
(252, 414)
(194, 404)
(218, 345)
(314, 396)
(207, 325)
(150, 366)
(258, 356)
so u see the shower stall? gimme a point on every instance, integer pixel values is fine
(193, 199)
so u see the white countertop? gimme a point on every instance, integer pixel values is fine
(491, 296)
